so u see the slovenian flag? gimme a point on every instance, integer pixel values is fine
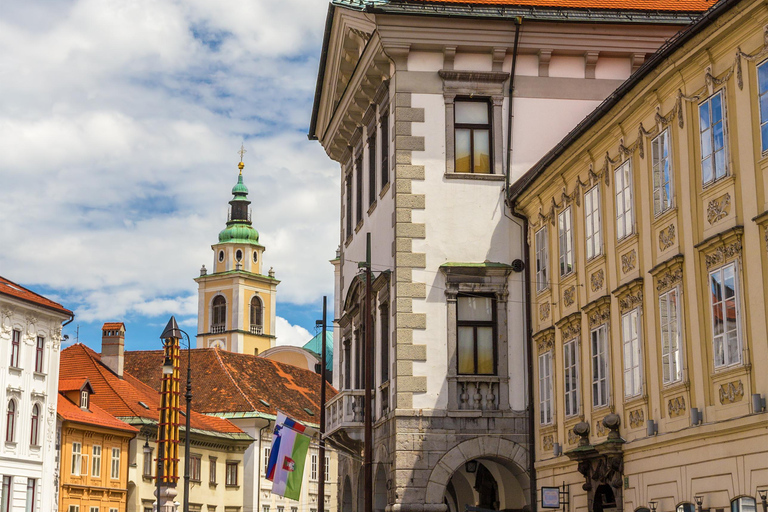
(286, 460)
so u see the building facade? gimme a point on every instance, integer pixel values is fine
(30, 339)
(413, 102)
(648, 249)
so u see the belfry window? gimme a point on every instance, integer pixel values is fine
(219, 320)
(257, 316)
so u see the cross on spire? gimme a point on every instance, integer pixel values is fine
(242, 152)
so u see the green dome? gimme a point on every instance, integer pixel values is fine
(240, 188)
(239, 233)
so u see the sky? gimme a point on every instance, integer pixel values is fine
(120, 125)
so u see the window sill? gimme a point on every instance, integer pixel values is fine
(348, 241)
(664, 215)
(715, 185)
(474, 176)
(15, 370)
(10, 444)
(359, 225)
(146, 478)
(39, 375)
(213, 485)
(231, 486)
(626, 241)
(195, 481)
(371, 208)
(384, 190)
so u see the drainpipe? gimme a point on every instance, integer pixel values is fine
(511, 117)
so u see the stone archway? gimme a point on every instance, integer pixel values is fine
(346, 497)
(380, 490)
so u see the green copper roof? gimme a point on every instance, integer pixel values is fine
(239, 233)
(239, 229)
(240, 188)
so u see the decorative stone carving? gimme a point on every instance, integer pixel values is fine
(600, 429)
(612, 422)
(723, 253)
(570, 331)
(599, 317)
(597, 279)
(546, 342)
(669, 279)
(573, 437)
(718, 208)
(544, 311)
(631, 300)
(628, 261)
(731, 392)
(581, 429)
(676, 406)
(636, 418)
(569, 296)
(547, 442)
(667, 237)
(51, 421)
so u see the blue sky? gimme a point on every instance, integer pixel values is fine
(120, 123)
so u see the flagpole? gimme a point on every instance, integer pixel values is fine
(368, 456)
(321, 462)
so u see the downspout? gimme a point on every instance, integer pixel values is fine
(511, 117)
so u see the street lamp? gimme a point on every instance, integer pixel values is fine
(764, 498)
(699, 500)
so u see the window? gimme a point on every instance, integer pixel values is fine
(592, 221)
(94, 509)
(77, 458)
(542, 260)
(294, 509)
(113, 510)
(349, 205)
(5, 505)
(384, 314)
(267, 452)
(327, 469)
(31, 495)
(686, 507)
(280, 508)
(565, 234)
(712, 138)
(476, 339)
(10, 422)
(96, 461)
(669, 318)
(624, 216)
(662, 173)
(571, 377)
(313, 467)
(472, 128)
(219, 320)
(265, 508)
(600, 366)
(762, 87)
(84, 399)
(725, 316)
(384, 150)
(115, 472)
(545, 388)
(195, 461)
(630, 327)
(15, 348)
(372, 167)
(231, 473)
(147, 469)
(359, 188)
(39, 353)
(744, 504)
(72, 508)
(212, 470)
(257, 319)
(34, 431)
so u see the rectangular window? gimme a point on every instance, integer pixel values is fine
(565, 235)
(662, 173)
(327, 469)
(115, 473)
(726, 316)
(77, 458)
(384, 150)
(372, 168)
(359, 190)
(625, 218)
(231, 473)
(265, 508)
(39, 353)
(712, 138)
(349, 205)
(195, 463)
(212, 470)
(96, 461)
(32, 495)
(762, 87)
(72, 508)
(600, 366)
(147, 466)
(592, 222)
(571, 377)
(472, 136)
(384, 314)
(94, 509)
(15, 348)
(280, 508)
(545, 388)
(542, 260)
(630, 333)
(5, 499)
(313, 467)
(671, 354)
(476, 340)
(267, 452)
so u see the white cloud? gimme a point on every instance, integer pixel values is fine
(288, 334)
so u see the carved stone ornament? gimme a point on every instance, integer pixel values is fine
(571, 331)
(596, 280)
(676, 406)
(628, 261)
(766, 238)
(631, 300)
(573, 437)
(731, 392)
(581, 429)
(547, 442)
(667, 237)
(599, 317)
(543, 311)
(718, 208)
(723, 253)
(51, 420)
(600, 429)
(636, 418)
(5, 323)
(569, 296)
(546, 342)
(669, 279)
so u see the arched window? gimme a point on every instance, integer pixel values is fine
(744, 504)
(33, 437)
(257, 316)
(686, 507)
(219, 314)
(10, 422)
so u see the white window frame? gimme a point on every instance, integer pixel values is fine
(631, 336)
(77, 459)
(729, 358)
(114, 473)
(542, 259)
(762, 95)
(565, 237)
(545, 388)
(707, 134)
(571, 376)
(625, 209)
(327, 468)
(96, 461)
(267, 453)
(661, 164)
(600, 366)
(592, 222)
(671, 341)
(313, 467)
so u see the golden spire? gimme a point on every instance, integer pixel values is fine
(241, 153)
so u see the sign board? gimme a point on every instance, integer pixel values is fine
(550, 497)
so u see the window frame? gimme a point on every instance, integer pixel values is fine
(5, 493)
(231, 474)
(565, 242)
(593, 223)
(633, 374)
(384, 123)
(666, 351)
(763, 122)
(625, 200)
(267, 453)
(195, 467)
(546, 385)
(541, 239)
(34, 430)
(571, 397)
(727, 361)
(600, 361)
(472, 127)
(257, 314)
(475, 324)
(372, 161)
(114, 470)
(710, 128)
(736, 504)
(348, 187)
(31, 495)
(76, 468)
(212, 477)
(15, 348)
(39, 354)
(147, 465)
(313, 461)
(10, 421)
(96, 461)
(659, 165)
(359, 188)
(218, 314)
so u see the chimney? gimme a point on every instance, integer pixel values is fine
(113, 346)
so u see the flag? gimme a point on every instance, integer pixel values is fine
(286, 461)
(281, 422)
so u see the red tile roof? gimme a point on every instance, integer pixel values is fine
(75, 384)
(115, 326)
(8, 287)
(97, 416)
(631, 5)
(124, 397)
(239, 382)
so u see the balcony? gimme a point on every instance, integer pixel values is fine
(217, 329)
(476, 393)
(257, 329)
(344, 415)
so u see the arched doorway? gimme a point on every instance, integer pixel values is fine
(346, 497)
(604, 499)
(380, 490)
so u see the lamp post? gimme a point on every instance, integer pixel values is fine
(764, 498)
(699, 500)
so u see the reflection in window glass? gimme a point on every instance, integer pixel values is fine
(725, 316)
(712, 138)
(744, 504)
(671, 357)
(472, 137)
(475, 346)
(662, 173)
(565, 235)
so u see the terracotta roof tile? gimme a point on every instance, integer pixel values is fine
(113, 326)
(8, 287)
(122, 397)
(95, 416)
(75, 384)
(631, 5)
(240, 383)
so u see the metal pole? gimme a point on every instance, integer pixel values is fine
(188, 397)
(368, 458)
(321, 463)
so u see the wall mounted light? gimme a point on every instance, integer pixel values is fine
(652, 504)
(699, 500)
(557, 450)
(652, 428)
(470, 466)
(758, 403)
(764, 498)
(696, 416)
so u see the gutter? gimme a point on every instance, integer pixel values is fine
(510, 111)
(312, 134)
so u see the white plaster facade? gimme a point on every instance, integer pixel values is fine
(20, 459)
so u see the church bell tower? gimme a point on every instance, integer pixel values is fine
(236, 301)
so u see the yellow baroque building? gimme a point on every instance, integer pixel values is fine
(648, 274)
